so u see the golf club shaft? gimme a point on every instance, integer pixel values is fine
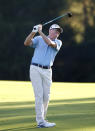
(66, 14)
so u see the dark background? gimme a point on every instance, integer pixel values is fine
(76, 60)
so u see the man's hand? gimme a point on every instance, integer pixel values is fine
(39, 27)
(35, 29)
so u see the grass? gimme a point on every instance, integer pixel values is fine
(71, 107)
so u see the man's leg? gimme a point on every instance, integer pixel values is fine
(38, 92)
(47, 81)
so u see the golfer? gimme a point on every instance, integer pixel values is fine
(46, 48)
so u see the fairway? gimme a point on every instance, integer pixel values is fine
(71, 107)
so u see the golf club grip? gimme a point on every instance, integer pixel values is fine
(55, 19)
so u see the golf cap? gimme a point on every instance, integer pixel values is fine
(55, 26)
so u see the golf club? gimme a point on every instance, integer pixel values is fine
(69, 14)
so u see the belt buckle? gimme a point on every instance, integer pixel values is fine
(40, 66)
(48, 67)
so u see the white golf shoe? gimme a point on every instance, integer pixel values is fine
(46, 124)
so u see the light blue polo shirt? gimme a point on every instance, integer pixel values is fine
(44, 54)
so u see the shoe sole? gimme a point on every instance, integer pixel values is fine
(41, 126)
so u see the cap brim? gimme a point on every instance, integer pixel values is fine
(60, 30)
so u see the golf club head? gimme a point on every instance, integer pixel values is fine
(69, 14)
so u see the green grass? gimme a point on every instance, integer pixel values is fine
(71, 107)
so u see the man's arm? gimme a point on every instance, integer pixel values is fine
(46, 39)
(29, 38)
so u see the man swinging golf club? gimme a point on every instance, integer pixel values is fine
(46, 48)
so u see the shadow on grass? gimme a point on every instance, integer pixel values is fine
(72, 113)
(33, 126)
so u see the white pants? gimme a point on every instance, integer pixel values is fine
(41, 81)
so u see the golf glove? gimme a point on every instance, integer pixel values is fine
(35, 29)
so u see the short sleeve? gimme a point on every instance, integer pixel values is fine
(59, 44)
(34, 42)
